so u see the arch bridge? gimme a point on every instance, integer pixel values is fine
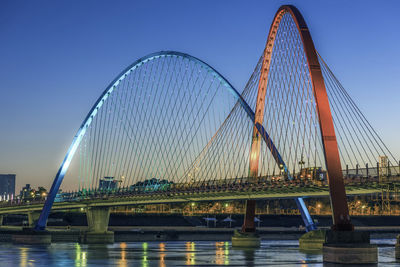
(171, 128)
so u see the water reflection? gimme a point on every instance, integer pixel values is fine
(123, 262)
(222, 253)
(80, 256)
(162, 255)
(191, 254)
(165, 254)
(145, 262)
(249, 255)
(23, 256)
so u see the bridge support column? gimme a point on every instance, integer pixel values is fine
(312, 241)
(33, 217)
(1, 219)
(247, 237)
(98, 218)
(248, 224)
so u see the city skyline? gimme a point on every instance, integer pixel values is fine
(77, 55)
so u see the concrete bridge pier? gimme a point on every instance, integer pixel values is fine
(33, 217)
(349, 247)
(247, 237)
(343, 247)
(29, 235)
(98, 218)
(1, 219)
(312, 241)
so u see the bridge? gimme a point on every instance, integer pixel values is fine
(171, 128)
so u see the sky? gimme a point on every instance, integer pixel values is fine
(57, 57)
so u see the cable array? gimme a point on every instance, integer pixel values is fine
(171, 120)
(290, 116)
(362, 151)
(154, 124)
(225, 159)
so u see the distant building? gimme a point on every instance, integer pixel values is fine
(28, 193)
(383, 165)
(7, 184)
(107, 183)
(25, 192)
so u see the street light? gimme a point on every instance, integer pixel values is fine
(193, 204)
(301, 163)
(319, 208)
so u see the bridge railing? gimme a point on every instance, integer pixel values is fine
(372, 172)
(264, 184)
(361, 176)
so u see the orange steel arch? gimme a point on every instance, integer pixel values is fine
(341, 218)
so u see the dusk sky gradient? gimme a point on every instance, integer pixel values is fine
(57, 57)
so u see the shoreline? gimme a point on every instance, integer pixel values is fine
(186, 233)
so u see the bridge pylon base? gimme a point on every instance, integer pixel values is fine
(312, 241)
(98, 218)
(245, 240)
(349, 247)
(97, 238)
(31, 237)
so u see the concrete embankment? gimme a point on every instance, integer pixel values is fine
(170, 233)
(219, 220)
(126, 234)
(129, 234)
(195, 234)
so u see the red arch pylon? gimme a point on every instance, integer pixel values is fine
(340, 211)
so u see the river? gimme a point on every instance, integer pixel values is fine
(177, 253)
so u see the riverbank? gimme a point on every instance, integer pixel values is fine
(72, 226)
(210, 220)
(185, 233)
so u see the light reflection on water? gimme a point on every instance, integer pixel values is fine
(177, 253)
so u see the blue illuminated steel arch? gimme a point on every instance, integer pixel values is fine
(41, 223)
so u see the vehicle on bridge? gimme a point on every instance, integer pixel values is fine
(152, 184)
(312, 173)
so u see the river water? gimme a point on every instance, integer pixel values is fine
(178, 253)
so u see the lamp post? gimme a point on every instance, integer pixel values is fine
(301, 163)
(319, 208)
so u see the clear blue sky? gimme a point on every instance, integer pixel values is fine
(56, 57)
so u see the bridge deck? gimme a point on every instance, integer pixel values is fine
(254, 191)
